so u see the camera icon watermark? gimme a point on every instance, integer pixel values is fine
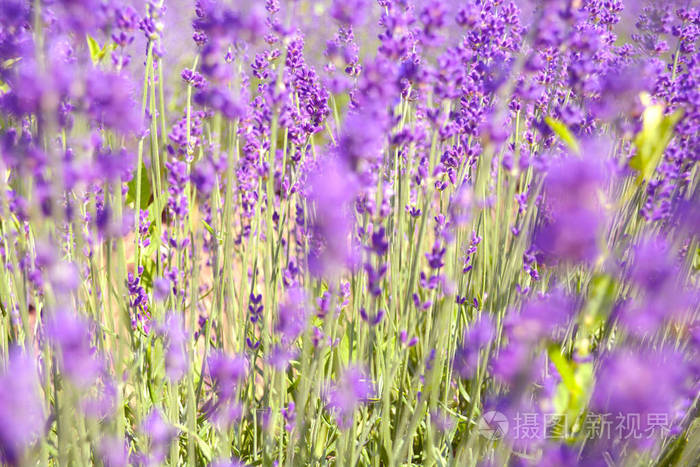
(493, 425)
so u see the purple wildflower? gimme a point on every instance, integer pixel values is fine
(160, 434)
(352, 389)
(332, 189)
(110, 102)
(644, 383)
(114, 452)
(573, 219)
(176, 358)
(349, 13)
(21, 407)
(293, 315)
(226, 374)
(70, 334)
(476, 338)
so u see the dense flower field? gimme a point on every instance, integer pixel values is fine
(350, 232)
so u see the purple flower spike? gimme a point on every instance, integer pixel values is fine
(332, 189)
(351, 390)
(21, 408)
(110, 102)
(160, 434)
(176, 358)
(70, 334)
(643, 383)
(477, 337)
(349, 12)
(293, 315)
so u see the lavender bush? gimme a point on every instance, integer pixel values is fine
(350, 232)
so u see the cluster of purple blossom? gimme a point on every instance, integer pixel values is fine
(341, 231)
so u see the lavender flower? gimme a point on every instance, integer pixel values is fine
(540, 317)
(70, 334)
(293, 315)
(21, 407)
(227, 463)
(110, 103)
(477, 337)
(352, 389)
(351, 13)
(226, 374)
(331, 190)
(641, 382)
(379, 182)
(176, 358)
(160, 434)
(114, 452)
(573, 218)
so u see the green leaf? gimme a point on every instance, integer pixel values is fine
(10, 61)
(577, 380)
(652, 140)
(601, 296)
(146, 189)
(209, 228)
(203, 445)
(584, 376)
(561, 399)
(149, 269)
(96, 52)
(344, 348)
(564, 133)
(565, 370)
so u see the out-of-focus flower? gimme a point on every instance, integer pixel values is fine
(14, 13)
(332, 187)
(226, 375)
(352, 389)
(361, 138)
(109, 98)
(21, 409)
(176, 359)
(227, 463)
(226, 372)
(573, 216)
(652, 269)
(216, 21)
(659, 296)
(280, 357)
(70, 334)
(161, 288)
(160, 434)
(293, 314)
(220, 99)
(516, 364)
(618, 93)
(204, 177)
(540, 317)
(462, 205)
(110, 164)
(114, 452)
(80, 16)
(643, 383)
(523, 433)
(64, 277)
(477, 337)
(350, 12)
